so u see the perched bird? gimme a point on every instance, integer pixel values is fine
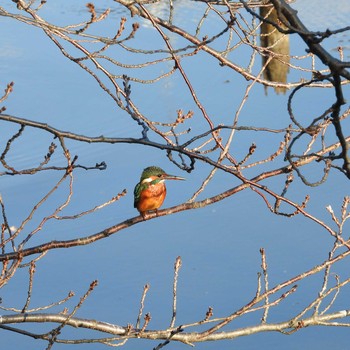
(150, 192)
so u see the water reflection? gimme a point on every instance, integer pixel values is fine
(276, 57)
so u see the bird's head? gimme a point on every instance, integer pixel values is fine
(155, 173)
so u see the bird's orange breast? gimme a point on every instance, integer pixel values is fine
(151, 198)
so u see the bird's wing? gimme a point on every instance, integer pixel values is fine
(137, 192)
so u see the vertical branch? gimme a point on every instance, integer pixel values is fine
(127, 91)
(171, 11)
(5, 227)
(177, 267)
(337, 125)
(30, 287)
(142, 304)
(266, 284)
(147, 320)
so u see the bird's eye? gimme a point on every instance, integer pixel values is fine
(160, 175)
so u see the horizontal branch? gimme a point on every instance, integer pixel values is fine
(181, 148)
(186, 337)
(59, 318)
(185, 206)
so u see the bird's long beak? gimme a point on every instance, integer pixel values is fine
(173, 177)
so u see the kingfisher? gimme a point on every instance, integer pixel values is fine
(150, 192)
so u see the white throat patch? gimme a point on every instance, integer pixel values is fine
(150, 180)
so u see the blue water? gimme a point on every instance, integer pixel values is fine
(219, 244)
